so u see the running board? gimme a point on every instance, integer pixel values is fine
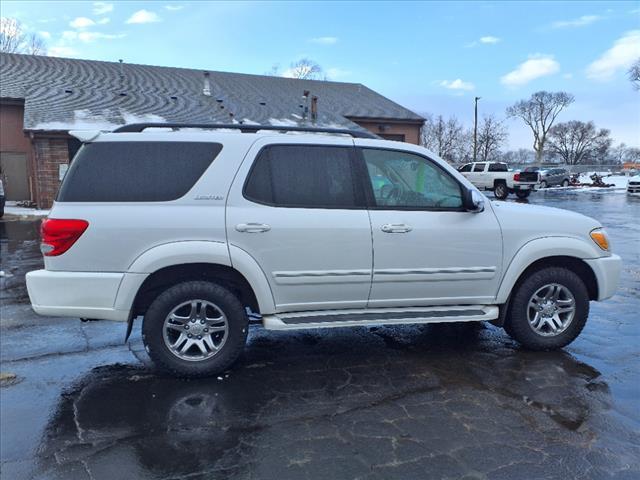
(379, 316)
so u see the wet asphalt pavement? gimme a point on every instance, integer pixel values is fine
(423, 402)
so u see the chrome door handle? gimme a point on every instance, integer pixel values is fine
(395, 228)
(253, 227)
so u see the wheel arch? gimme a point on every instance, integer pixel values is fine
(564, 252)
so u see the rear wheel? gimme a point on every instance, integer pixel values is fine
(565, 182)
(543, 184)
(500, 191)
(195, 329)
(548, 310)
(523, 193)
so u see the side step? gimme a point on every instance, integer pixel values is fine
(379, 316)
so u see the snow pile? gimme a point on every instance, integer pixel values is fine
(619, 183)
(12, 209)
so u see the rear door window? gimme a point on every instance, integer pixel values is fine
(498, 167)
(136, 171)
(304, 176)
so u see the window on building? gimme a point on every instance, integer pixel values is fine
(304, 176)
(405, 180)
(398, 137)
(136, 171)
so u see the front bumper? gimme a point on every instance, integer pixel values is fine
(77, 294)
(607, 272)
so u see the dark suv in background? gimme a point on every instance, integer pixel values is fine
(550, 177)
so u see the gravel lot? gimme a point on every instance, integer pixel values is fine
(441, 401)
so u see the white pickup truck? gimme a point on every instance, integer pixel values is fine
(496, 176)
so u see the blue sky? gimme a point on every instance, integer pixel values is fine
(431, 57)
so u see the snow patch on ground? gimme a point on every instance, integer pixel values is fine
(619, 183)
(11, 208)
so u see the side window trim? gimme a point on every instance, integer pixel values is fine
(368, 188)
(359, 194)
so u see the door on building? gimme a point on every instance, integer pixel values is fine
(15, 177)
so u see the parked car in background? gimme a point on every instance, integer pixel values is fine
(199, 231)
(495, 176)
(633, 187)
(551, 177)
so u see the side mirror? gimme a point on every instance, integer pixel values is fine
(473, 201)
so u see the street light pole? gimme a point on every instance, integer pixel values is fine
(475, 129)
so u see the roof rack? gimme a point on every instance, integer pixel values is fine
(139, 127)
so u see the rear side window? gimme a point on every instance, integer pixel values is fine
(304, 176)
(136, 171)
(498, 167)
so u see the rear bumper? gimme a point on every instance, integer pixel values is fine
(525, 186)
(607, 272)
(77, 294)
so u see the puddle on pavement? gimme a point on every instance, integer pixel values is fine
(442, 388)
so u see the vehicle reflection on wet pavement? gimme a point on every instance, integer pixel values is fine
(438, 401)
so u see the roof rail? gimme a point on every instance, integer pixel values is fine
(139, 127)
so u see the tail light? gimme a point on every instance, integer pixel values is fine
(516, 177)
(58, 235)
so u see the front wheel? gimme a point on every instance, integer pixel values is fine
(548, 309)
(543, 184)
(501, 191)
(195, 329)
(523, 193)
(565, 182)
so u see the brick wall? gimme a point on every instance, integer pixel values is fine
(50, 153)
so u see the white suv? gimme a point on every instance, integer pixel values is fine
(195, 229)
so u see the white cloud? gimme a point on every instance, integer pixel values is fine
(143, 16)
(103, 21)
(81, 22)
(582, 21)
(334, 73)
(69, 35)
(535, 67)
(92, 36)
(325, 40)
(457, 84)
(624, 52)
(173, 8)
(489, 39)
(45, 35)
(100, 8)
(61, 51)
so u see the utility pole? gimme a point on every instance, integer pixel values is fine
(475, 129)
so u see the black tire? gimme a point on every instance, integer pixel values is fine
(522, 194)
(565, 182)
(500, 191)
(225, 301)
(517, 323)
(543, 184)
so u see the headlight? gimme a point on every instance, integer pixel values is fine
(599, 235)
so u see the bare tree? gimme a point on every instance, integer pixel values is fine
(13, 39)
(579, 142)
(538, 113)
(444, 137)
(634, 74)
(492, 135)
(305, 69)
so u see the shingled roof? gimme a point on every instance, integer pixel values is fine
(62, 94)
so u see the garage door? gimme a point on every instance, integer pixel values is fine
(14, 175)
